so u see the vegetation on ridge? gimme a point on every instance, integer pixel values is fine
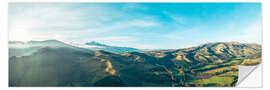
(212, 64)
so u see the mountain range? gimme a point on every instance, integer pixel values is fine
(99, 46)
(54, 63)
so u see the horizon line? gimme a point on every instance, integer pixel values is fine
(66, 42)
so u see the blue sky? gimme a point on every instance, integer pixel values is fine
(139, 25)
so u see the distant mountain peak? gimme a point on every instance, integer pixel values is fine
(45, 41)
(15, 42)
(95, 43)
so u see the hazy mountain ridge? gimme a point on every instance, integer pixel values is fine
(37, 43)
(70, 66)
(18, 48)
(95, 43)
(222, 50)
(99, 46)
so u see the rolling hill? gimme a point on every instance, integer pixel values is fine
(211, 64)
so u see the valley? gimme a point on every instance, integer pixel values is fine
(54, 63)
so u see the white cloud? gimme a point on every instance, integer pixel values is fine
(134, 6)
(143, 23)
(173, 36)
(252, 33)
(176, 18)
(31, 22)
(67, 21)
(114, 39)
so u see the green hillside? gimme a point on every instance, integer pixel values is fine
(212, 64)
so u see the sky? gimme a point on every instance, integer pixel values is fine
(138, 25)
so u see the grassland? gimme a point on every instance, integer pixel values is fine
(250, 62)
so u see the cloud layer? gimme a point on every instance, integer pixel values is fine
(140, 25)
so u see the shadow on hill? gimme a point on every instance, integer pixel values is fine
(109, 81)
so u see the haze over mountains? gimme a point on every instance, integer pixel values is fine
(54, 63)
(31, 46)
(99, 46)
